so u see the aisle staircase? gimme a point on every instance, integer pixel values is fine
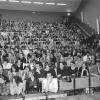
(85, 27)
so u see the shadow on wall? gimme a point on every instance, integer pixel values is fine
(83, 4)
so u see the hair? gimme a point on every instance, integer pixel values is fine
(97, 61)
(5, 60)
(17, 79)
(86, 64)
(13, 66)
(27, 67)
(18, 59)
(1, 65)
(79, 56)
(73, 62)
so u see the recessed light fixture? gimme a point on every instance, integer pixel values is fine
(68, 14)
(33, 12)
(28, 2)
(3, 0)
(61, 4)
(16, 1)
(68, 10)
(50, 3)
(39, 3)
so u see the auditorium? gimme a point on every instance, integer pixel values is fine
(49, 50)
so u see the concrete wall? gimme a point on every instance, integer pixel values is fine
(91, 11)
(29, 16)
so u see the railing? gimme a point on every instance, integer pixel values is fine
(85, 27)
(75, 84)
(80, 83)
(86, 33)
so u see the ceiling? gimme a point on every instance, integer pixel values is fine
(71, 5)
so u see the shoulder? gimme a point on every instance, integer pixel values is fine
(93, 67)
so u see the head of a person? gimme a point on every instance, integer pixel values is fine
(21, 55)
(47, 67)
(72, 64)
(13, 69)
(75, 58)
(51, 55)
(4, 51)
(1, 69)
(30, 52)
(18, 61)
(34, 62)
(79, 58)
(5, 61)
(84, 65)
(98, 63)
(27, 69)
(17, 79)
(38, 51)
(38, 66)
(88, 54)
(61, 65)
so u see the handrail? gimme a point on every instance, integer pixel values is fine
(85, 27)
(83, 30)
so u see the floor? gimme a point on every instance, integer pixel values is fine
(95, 96)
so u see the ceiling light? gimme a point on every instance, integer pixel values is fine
(28, 2)
(33, 12)
(38, 3)
(3, 0)
(68, 14)
(50, 3)
(69, 10)
(14, 1)
(61, 4)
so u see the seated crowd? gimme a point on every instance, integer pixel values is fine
(34, 55)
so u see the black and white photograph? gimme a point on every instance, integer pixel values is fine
(49, 50)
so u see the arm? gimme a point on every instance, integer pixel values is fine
(95, 74)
